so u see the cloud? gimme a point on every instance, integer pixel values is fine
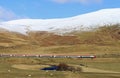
(78, 1)
(6, 14)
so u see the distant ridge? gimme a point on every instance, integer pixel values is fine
(63, 25)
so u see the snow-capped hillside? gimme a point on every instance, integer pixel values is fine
(80, 22)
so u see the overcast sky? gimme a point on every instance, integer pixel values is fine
(46, 9)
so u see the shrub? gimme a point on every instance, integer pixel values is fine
(62, 67)
(65, 67)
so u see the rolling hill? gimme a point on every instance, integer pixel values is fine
(96, 31)
(63, 25)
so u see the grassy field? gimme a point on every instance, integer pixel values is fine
(105, 64)
(66, 49)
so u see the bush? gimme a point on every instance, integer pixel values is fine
(62, 67)
(65, 67)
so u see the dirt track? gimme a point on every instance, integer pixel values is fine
(94, 70)
(29, 67)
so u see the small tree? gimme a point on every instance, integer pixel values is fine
(65, 67)
(62, 67)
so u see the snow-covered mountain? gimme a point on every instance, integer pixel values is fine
(80, 22)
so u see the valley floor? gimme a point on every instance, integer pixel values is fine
(30, 68)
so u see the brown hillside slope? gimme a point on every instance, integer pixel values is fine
(101, 35)
(9, 39)
(101, 40)
(49, 39)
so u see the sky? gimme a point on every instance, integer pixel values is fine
(49, 9)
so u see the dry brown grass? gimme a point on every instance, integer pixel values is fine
(103, 40)
(29, 67)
